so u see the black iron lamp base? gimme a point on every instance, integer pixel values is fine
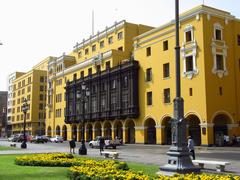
(179, 162)
(82, 150)
(24, 145)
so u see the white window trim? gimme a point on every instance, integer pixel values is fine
(219, 73)
(188, 28)
(218, 26)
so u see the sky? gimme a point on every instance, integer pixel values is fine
(31, 30)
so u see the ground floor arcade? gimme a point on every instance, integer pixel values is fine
(152, 131)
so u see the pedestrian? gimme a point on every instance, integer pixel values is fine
(101, 144)
(191, 146)
(72, 145)
(234, 140)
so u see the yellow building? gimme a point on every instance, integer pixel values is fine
(97, 53)
(210, 66)
(124, 56)
(31, 85)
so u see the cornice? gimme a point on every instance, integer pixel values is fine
(188, 15)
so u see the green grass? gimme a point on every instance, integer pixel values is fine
(4, 148)
(10, 171)
(147, 169)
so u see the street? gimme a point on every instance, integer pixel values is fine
(148, 154)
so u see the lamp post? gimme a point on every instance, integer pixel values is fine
(83, 95)
(179, 160)
(4, 121)
(24, 109)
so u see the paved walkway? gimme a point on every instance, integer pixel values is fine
(148, 154)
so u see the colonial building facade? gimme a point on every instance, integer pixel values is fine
(129, 70)
(31, 85)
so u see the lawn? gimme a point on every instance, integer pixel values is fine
(5, 148)
(10, 171)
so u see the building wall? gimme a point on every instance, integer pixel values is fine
(211, 95)
(3, 113)
(28, 86)
(109, 53)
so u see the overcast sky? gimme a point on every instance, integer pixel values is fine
(32, 30)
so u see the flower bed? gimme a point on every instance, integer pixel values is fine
(82, 168)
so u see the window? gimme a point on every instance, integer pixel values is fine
(110, 40)
(149, 74)
(238, 39)
(113, 84)
(220, 91)
(82, 74)
(29, 80)
(41, 97)
(166, 72)
(89, 71)
(101, 44)
(125, 81)
(148, 51)
(75, 76)
(190, 91)
(98, 68)
(28, 88)
(19, 85)
(41, 88)
(108, 65)
(86, 51)
(19, 92)
(218, 34)
(79, 54)
(120, 48)
(40, 106)
(23, 83)
(166, 93)
(149, 98)
(238, 68)
(93, 47)
(41, 79)
(189, 63)
(188, 36)
(165, 45)
(219, 62)
(120, 35)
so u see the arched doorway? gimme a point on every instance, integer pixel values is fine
(98, 129)
(150, 131)
(166, 122)
(107, 129)
(118, 127)
(49, 131)
(74, 132)
(220, 128)
(89, 132)
(64, 132)
(58, 131)
(130, 132)
(194, 129)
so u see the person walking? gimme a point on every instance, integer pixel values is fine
(72, 145)
(101, 144)
(191, 146)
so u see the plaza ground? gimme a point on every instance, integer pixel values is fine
(148, 154)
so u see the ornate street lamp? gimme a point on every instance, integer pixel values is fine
(179, 160)
(83, 95)
(24, 109)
